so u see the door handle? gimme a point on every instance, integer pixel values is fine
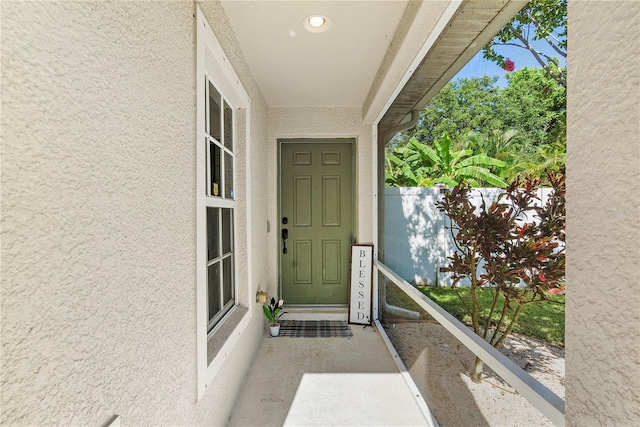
(285, 236)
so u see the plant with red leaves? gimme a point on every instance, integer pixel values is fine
(501, 250)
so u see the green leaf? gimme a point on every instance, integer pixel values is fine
(459, 155)
(443, 147)
(424, 152)
(446, 181)
(482, 159)
(408, 173)
(432, 155)
(478, 172)
(267, 312)
(394, 159)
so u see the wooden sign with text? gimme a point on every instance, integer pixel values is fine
(361, 285)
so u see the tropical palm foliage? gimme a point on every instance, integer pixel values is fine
(419, 165)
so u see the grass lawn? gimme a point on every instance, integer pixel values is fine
(542, 320)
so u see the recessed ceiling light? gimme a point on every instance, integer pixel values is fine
(316, 23)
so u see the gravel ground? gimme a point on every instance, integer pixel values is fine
(440, 366)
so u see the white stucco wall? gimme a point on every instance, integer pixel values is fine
(98, 215)
(603, 207)
(314, 122)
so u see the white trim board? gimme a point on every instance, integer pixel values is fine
(426, 412)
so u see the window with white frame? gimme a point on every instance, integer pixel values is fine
(223, 283)
(220, 205)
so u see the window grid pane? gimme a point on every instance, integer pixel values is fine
(228, 176)
(206, 107)
(227, 279)
(215, 163)
(215, 113)
(227, 231)
(228, 126)
(213, 233)
(213, 289)
(207, 168)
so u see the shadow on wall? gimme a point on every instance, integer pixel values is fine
(417, 241)
(412, 234)
(438, 365)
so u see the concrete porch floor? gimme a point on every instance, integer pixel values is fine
(327, 382)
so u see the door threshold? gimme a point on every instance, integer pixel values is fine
(317, 308)
(316, 312)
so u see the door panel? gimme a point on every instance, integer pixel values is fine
(302, 202)
(302, 265)
(331, 261)
(317, 197)
(331, 201)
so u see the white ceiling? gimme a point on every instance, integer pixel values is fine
(297, 68)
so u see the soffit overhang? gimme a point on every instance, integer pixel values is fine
(471, 27)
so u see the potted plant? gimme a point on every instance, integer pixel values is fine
(273, 311)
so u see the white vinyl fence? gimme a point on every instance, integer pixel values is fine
(416, 240)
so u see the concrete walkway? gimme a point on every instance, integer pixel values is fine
(327, 382)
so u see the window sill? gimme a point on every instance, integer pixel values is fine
(217, 338)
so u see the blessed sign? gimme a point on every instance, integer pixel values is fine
(360, 288)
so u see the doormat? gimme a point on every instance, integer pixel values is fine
(315, 329)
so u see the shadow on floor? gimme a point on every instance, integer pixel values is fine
(440, 365)
(324, 379)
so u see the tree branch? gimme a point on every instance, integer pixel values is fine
(473, 277)
(507, 331)
(453, 236)
(466, 307)
(495, 337)
(547, 37)
(493, 307)
(555, 47)
(529, 49)
(544, 65)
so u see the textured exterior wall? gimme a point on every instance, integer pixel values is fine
(603, 206)
(98, 215)
(314, 122)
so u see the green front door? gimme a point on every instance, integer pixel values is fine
(316, 196)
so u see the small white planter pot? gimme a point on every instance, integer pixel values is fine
(275, 330)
